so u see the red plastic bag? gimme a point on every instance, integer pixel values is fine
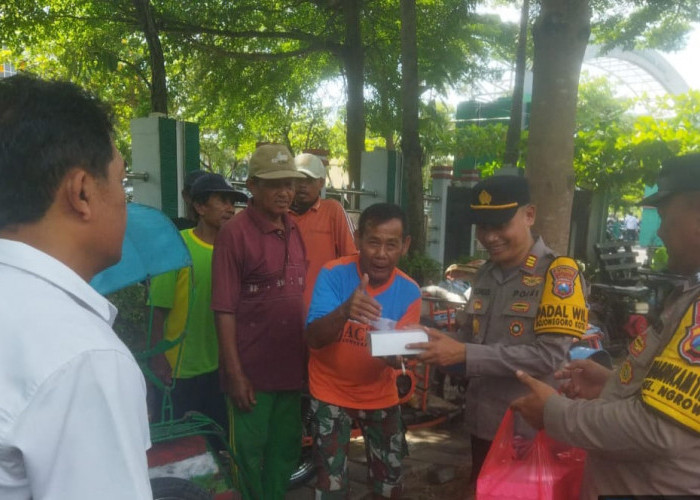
(546, 470)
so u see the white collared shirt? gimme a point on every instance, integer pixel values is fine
(73, 418)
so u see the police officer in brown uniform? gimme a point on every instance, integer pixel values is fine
(527, 306)
(641, 423)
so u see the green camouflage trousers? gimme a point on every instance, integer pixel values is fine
(385, 446)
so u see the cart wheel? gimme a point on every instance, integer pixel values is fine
(175, 488)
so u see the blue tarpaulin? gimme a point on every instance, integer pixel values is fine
(152, 245)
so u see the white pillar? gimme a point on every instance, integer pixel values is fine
(435, 244)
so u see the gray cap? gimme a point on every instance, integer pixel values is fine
(310, 165)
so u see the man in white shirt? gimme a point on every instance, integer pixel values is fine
(631, 227)
(73, 421)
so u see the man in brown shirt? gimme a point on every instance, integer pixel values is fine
(258, 278)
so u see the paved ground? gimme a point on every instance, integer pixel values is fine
(444, 448)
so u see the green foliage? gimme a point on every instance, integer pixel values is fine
(659, 260)
(454, 46)
(636, 24)
(421, 268)
(484, 143)
(602, 119)
(437, 132)
(246, 71)
(620, 151)
(84, 41)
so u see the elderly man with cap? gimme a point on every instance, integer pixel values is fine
(527, 306)
(641, 423)
(180, 302)
(324, 225)
(258, 279)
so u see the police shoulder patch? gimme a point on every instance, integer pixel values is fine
(562, 308)
(689, 346)
(672, 384)
(564, 277)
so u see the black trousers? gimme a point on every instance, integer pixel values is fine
(200, 393)
(480, 448)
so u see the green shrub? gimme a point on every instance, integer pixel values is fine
(421, 268)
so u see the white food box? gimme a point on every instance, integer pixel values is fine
(393, 342)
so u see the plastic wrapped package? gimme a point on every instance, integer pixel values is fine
(537, 469)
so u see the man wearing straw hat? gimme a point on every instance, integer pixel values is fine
(258, 280)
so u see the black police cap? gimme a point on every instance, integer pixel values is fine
(495, 200)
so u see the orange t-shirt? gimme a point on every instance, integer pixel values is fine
(327, 234)
(344, 373)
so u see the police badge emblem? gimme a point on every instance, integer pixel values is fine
(689, 347)
(563, 283)
(531, 280)
(484, 197)
(626, 372)
(516, 328)
(638, 345)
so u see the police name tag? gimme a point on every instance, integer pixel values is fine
(393, 342)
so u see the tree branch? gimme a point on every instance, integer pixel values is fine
(136, 70)
(257, 56)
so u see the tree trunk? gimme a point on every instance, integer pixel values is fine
(560, 36)
(389, 143)
(353, 60)
(410, 141)
(512, 153)
(159, 89)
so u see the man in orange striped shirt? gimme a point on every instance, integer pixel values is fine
(353, 296)
(325, 227)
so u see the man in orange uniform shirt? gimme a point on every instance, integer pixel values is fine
(354, 295)
(324, 225)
